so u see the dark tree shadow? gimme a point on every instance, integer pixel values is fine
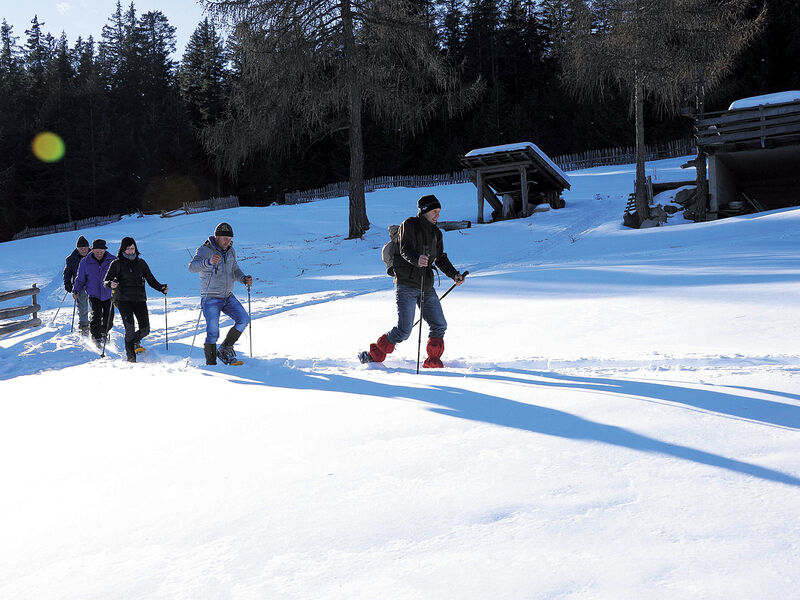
(485, 408)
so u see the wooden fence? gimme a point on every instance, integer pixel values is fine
(340, 189)
(18, 311)
(624, 156)
(752, 127)
(70, 226)
(566, 162)
(199, 206)
(187, 208)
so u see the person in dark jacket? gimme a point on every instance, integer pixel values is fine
(126, 276)
(215, 262)
(420, 249)
(70, 272)
(91, 271)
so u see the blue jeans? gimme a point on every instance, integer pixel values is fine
(83, 309)
(407, 301)
(231, 307)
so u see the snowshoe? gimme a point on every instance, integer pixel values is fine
(138, 348)
(228, 355)
(364, 357)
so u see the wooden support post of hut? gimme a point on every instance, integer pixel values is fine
(479, 184)
(519, 172)
(523, 179)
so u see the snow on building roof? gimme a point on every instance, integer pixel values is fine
(519, 146)
(766, 99)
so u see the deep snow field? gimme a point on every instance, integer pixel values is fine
(619, 416)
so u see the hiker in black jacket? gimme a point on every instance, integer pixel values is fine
(72, 262)
(419, 250)
(126, 277)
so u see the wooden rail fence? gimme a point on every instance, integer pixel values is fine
(69, 226)
(187, 208)
(566, 162)
(336, 190)
(625, 155)
(199, 206)
(753, 127)
(18, 311)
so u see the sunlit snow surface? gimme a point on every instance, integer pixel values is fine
(619, 416)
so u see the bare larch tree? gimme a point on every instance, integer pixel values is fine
(658, 50)
(307, 68)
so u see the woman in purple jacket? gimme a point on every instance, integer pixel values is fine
(90, 276)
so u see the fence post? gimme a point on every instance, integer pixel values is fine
(33, 302)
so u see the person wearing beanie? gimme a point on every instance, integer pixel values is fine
(70, 272)
(215, 262)
(126, 277)
(91, 271)
(419, 250)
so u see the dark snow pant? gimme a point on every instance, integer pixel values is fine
(128, 310)
(102, 319)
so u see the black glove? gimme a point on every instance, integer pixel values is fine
(164, 289)
(68, 287)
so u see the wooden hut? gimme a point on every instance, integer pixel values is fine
(514, 178)
(753, 151)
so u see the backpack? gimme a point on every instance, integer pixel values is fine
(391, 249)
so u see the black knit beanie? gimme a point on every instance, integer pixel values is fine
(82, 243)
(428, 203)
(224, 229)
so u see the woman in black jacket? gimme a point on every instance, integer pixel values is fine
(126, 277)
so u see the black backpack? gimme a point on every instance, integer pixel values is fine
(391, 249)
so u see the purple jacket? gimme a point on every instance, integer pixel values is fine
(90, 276)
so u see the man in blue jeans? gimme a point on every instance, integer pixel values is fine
(215, 261)
(419, 249)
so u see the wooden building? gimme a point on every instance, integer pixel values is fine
(753, 151)
(514, 178)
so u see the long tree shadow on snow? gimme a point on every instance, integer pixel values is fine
(485, 408)
(770, 412)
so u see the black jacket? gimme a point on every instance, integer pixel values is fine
(131, 275)
(71, 269)
(419, 236)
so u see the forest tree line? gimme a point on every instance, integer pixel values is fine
(135, 120)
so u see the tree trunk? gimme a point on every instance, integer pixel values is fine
(640, 188)
(359, 223)
(700, 162)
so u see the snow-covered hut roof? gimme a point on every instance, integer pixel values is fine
(524, 147)
(766, 100)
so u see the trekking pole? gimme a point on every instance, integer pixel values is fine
(421, 306)
(59, 308)
(166, 324)
(250, 319)
(452, 287)
(106, 328)
(74, 306)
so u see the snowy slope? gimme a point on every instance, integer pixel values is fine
(619, 418)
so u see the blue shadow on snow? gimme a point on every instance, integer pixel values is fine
(485, 408)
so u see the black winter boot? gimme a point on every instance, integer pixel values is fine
(226, 353)
(232, 337)
(211, 354)
(130, 351)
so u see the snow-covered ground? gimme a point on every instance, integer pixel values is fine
(620, 415)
